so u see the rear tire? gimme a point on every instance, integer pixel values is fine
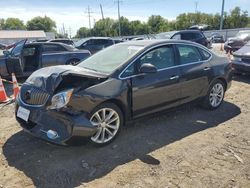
(215, 95)
(109, 119)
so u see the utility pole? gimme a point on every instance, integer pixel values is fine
(70, 32)
(89, 12)
(63, 30)
(119, 17)
(101, 11)
(196, 6)
(222, 15)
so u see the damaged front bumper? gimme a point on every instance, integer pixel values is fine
(54, 126)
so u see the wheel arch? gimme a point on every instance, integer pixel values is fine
(121, 106)
(223, 80)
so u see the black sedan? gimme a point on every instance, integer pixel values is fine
(23, 59)
(241, 60)
(118, 84)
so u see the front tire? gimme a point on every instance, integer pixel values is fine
(73, 62)
(215, 95)
(109, 120)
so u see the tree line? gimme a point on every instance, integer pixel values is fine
(236, 18)
(38, 23)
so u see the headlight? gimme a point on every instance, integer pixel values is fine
(61, 99)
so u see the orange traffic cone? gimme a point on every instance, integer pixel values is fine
(3, 96)
(15, 86)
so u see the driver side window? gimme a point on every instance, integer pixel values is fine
(161, 58)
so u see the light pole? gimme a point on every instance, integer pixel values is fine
(222, 15)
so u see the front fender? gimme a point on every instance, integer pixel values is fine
(112, 89)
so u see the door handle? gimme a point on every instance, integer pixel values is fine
(206, 68)
(174, 77)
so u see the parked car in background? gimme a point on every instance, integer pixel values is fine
(235, 43)
(116, 41)
(94, 44)
(118, 84)
(24, 59)
(40, 40)
(64, 41)
(202, 27)
(217, 38)
(241, 60)
(3, 46)
(190, 35)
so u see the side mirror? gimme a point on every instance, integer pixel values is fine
(6, 52)
(148, 68)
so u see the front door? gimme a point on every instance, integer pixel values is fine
(14, 61)
(153, 92)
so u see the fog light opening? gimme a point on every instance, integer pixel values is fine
(52, 134)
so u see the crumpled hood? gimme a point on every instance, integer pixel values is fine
(49, 78)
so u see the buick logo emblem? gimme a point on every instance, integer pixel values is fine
(27, 95)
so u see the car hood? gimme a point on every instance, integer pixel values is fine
(244, 51)
(49, 79)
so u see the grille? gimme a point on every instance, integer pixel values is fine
(34, 96)
(246, 60)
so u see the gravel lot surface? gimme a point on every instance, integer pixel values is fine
(185, 147)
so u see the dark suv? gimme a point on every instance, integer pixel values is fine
(94, 44)
(190, 35)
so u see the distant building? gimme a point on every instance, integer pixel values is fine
(12, 36)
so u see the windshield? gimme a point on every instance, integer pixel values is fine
(109, 59)
(80, 42)
(17, 49)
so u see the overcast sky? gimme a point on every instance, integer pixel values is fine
(73, 13)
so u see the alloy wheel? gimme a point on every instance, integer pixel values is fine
(216, 95)
(108, 122)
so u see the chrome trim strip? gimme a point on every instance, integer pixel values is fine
(123, 78)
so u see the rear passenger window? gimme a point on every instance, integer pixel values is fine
(205, 54)
(52, 48)
(188, 54)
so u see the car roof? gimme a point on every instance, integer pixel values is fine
(60, 40)
(107, 38)
(190, 31)
(147, 43)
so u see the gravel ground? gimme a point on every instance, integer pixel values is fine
(185, 147)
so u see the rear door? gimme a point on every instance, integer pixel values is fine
(14, 62)
(53, 54)
(156, 91)
(196, 71)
